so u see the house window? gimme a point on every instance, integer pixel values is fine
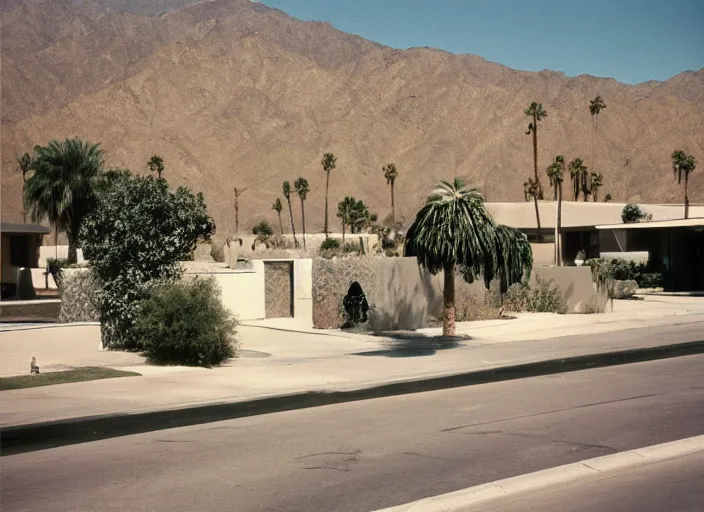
(19, 251)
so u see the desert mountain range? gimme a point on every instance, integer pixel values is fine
(232, 93)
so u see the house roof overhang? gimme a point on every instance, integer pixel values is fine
(24, 229)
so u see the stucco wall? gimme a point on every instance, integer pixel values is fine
(51, 251)
(575, 283)
(543, 254)
(243, 291)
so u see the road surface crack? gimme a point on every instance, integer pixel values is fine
(554, 411)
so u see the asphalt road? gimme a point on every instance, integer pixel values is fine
(371, 454)
(671, 486)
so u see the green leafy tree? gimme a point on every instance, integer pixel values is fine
(452, 229)
(345, 209)
(633, 213)
(682, 165)
(328, 162)
(595, 107)
(277, 207)
(579, 174)
(138, 232)
(23, 162)
(391, 173)
(302, 189)
(596, 181)
(156, 165)
(62, 187)
(286, 189)
(537, 113)
(556, 172)
(531, 188)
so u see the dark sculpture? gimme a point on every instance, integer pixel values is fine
(355, 305)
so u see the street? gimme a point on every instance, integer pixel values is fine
(674, 485)
(367, 455)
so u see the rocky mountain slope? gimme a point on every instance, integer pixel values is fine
(233, 93)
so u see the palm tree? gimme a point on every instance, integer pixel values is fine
(286, 188)
(514, 259)
(532, 188)
(596, 181)
(579, 177)
(238, 192)
(595, 107)
(23, 162)
(536, 111)
(360, 217)
(156, 165)
(277, 207)
(328, 163)
(453, 228)
(302, 189)
(682, 165)
(556, 172)
(390, 173)
(344, 213)
(63, 186)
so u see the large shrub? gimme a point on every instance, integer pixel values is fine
(137, 234)
(185, 322)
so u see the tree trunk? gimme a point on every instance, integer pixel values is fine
(281, 224)
(555, 192)
(537, 217)
(535, 156)
(343, 232)
(558, 238)
(448, 295)
(393, 208)
(303, 221)
(293, 228)
(327, 185)
(595, 193)
(72, 250)
(686, 198)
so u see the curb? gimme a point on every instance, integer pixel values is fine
(16, 439)
(466, 499)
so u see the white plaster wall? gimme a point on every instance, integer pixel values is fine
(303, 292)
(50, 251)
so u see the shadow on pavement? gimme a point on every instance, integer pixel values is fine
(412, 344)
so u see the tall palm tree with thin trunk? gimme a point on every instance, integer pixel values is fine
(595, 107)
(345, 209)
(556, 172)
(596, 181)
(302, 189)
(538, 113)
(532, 188)
(156, 165)
(391, 173)
(682, 165)
(277, 207)
(329, 163)
(24, 162)
(63, 186)
(452, 229)
(286, 188)
(579, 177)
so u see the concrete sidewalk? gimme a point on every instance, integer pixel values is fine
(278, 362)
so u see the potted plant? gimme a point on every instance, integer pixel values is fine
(581, 256)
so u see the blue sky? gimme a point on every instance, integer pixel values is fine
(630, 40)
